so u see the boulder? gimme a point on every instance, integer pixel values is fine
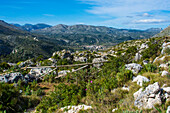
(64, 72)
(95, 60)
(76, 109)
(136, 94)
(138, 56)
(39, 71)
(11, 78)
(140, 79)
(165, 66)
(164, 73)
(165, 44)
(168, 109)
(167, 89)
(149, 97)
(145, 62)
(135, 68)
(114, 110)
(125, 88)
(144, 46)
(164, 48)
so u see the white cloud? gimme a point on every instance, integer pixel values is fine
(151, 21)
(125, 7)
(145, 15)
(127, 13)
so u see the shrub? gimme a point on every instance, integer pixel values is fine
(150, 67)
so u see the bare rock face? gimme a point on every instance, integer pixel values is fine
(11, 78)
(149, 97)
(164, 73)
(140, 79)
(39, 71)
(96, 60)
(152, 95)
(138, 56)
(135, 68)
(168, 109)
(76, 109)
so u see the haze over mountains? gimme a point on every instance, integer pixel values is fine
(27, 41)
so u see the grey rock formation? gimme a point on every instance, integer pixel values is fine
(152, 95)
(138, 56)
(76, 109)
(135, 68)
(168, 109)
(95, 60)
(140, 79)
(145, 62)
(39, 71)
(12, 77)
(164, 73)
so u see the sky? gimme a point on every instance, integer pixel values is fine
(128, 14)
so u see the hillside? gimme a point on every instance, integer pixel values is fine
(16, 45)
(134, 76)
(165, 32)
(87, 34)
(28, 41)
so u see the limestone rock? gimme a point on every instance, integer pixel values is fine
(135, 68)
(95, 60)
(149, 97)
(64, 72)
(114, 110)
(164, 48)
(168, 109)
(167, 89)
(164, 73)
(11, 78)
(165, 66)
(138, 56)
(140, 79)
(145, 62)
(136, 94)
(76, 109)
(39, 71)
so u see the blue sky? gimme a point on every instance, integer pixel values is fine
(131, 14)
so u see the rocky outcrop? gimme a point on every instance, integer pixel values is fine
(138, 56)
(145, 62)
(168, 109)
(25, 63)
(11, 78)
(152, 95)
(135, 68)
(164, 47)
(39, 71)
(75, 109)
(144, 46)
(95, 60)
(165, 66)
(64, 72)
(164, 73)
(140, 79)
(113, 110)
(81, 59)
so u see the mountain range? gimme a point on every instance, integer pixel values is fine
(27, 41)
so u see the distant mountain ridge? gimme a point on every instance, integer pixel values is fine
(30, 27)
(88, 34)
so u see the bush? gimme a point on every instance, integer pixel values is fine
(150, 67)
(63, 95)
